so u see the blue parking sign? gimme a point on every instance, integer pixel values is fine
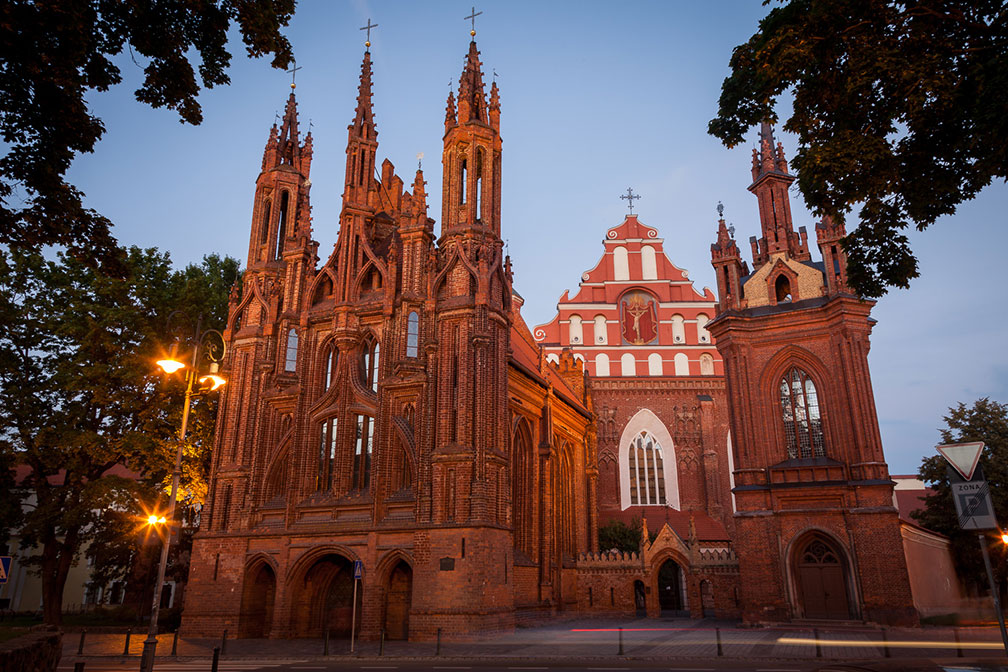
(5, 564)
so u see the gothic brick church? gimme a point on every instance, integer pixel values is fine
(389, 409)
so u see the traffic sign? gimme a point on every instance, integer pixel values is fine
(358, 569)
(973, 504)
(962, 456)
(5, 565)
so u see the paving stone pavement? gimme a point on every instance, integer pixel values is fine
(642, 639)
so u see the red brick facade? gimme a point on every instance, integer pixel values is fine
(390, 407)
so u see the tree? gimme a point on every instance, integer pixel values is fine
(79, 394)
(617, 535)
(54, 52)
(898, 106)
(985, 421)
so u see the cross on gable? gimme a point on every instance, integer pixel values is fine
(368, 28)
(472, 17)
(630, 196)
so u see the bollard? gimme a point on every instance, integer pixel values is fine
(620, 651)
(437, 651)
(885, 644)
(959, 650)
(80, 646)
(79, 666)
(381, 643)
(223, 642)
(216, 659)
(129, 631)
(818, 647)
(174, 644)
(325, 643)
(720, 650)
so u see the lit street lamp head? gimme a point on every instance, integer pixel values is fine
(155, 520)
(214, 378)
(170, 364)
(1004, 538)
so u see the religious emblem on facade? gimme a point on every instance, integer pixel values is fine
(639, 318)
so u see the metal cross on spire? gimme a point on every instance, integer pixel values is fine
(293, 71)
(472, 17)
(368, 28)
(630, 196)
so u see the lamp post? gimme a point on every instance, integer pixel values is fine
(209, 345)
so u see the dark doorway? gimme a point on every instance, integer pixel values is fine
(670, 589)
(640, 599)
(324, 599)
(258, 593)
(397, 602)
(822, 582)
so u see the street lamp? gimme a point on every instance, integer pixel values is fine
(207, 345)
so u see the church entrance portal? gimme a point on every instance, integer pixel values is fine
(324, 599)
(397, 602)
(670, 589)
(822, 582)
(256, 617)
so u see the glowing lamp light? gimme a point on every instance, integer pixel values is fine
(169, 364)
(1004, 538)
(155, 520)
(214, 378)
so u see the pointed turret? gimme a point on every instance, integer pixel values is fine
(494, 107)
(362, 143)
(728, 265)
(770, 185)
(450, 119)
(472, 105)
(829, 233)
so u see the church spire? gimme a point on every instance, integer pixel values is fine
(770, 185)
(472, 105)
(362, 142)
(363, 124)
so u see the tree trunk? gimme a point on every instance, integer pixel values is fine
(57, 558)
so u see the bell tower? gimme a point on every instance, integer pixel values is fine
(817, 533)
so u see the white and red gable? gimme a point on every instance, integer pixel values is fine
(635, 313)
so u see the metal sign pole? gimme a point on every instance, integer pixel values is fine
(994, 592)
(353, 619)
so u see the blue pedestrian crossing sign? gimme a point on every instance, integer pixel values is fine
(358, 569)
(5, 563)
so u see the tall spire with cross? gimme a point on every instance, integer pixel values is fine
(362, 140)
(368, 27)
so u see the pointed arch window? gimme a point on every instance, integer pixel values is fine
(647, 471)
(282, 223)
(800, 413)
(331, 362)
(369, 365)
(290, 360)
(463, 176)
(412, 334)
(265, 226)
(478, 194)
(327, 456)
(362, 453)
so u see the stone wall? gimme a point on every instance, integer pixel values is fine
(38, 651)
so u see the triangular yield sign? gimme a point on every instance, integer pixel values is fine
(962, 456)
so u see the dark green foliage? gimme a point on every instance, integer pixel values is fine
(899, 107)
(79, 394)
(56, 52)
(619, 536)
(985, 421)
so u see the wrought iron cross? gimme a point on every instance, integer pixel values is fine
(630, 196)
(368, 28)
(293, 71)
(472, 17)
(720, 210)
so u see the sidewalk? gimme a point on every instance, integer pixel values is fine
(643, 639)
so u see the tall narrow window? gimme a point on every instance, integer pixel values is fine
(264, 230)
(628, 365)
(463, 176)
(282, 224)
(621, 264)
(601, 337)
(327, 456)
(654, 364)
(576, 331)
(681, 362)
(412, 334)
(601, 364)
(290, 361)
(479, 184)
(701, 328)
(369, 365)
(362, 453)
(649, 263)
(332, 361)
(647, 471)
(678, 328)
(800, 412)
(362, 166)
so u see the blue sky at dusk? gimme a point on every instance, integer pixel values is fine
(595, 97)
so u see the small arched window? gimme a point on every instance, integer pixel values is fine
(576, 331)
(621, 264)
(782, 288)
(369, 365)
(701, 327)
(681, 364)
(647, 471)
(290, 361)
(800, 414)
(654, 364)
(706, 365)
(649, 263)
(412, 334)
(282, 224)
(628, 364)
(331, 362)
(601, 332)
(678, 329)
(602, 364)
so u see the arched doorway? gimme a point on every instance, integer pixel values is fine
(670, 597)
(640, 599)
(398, 598)
(258, 592)
(821, 577)
(324, 599)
